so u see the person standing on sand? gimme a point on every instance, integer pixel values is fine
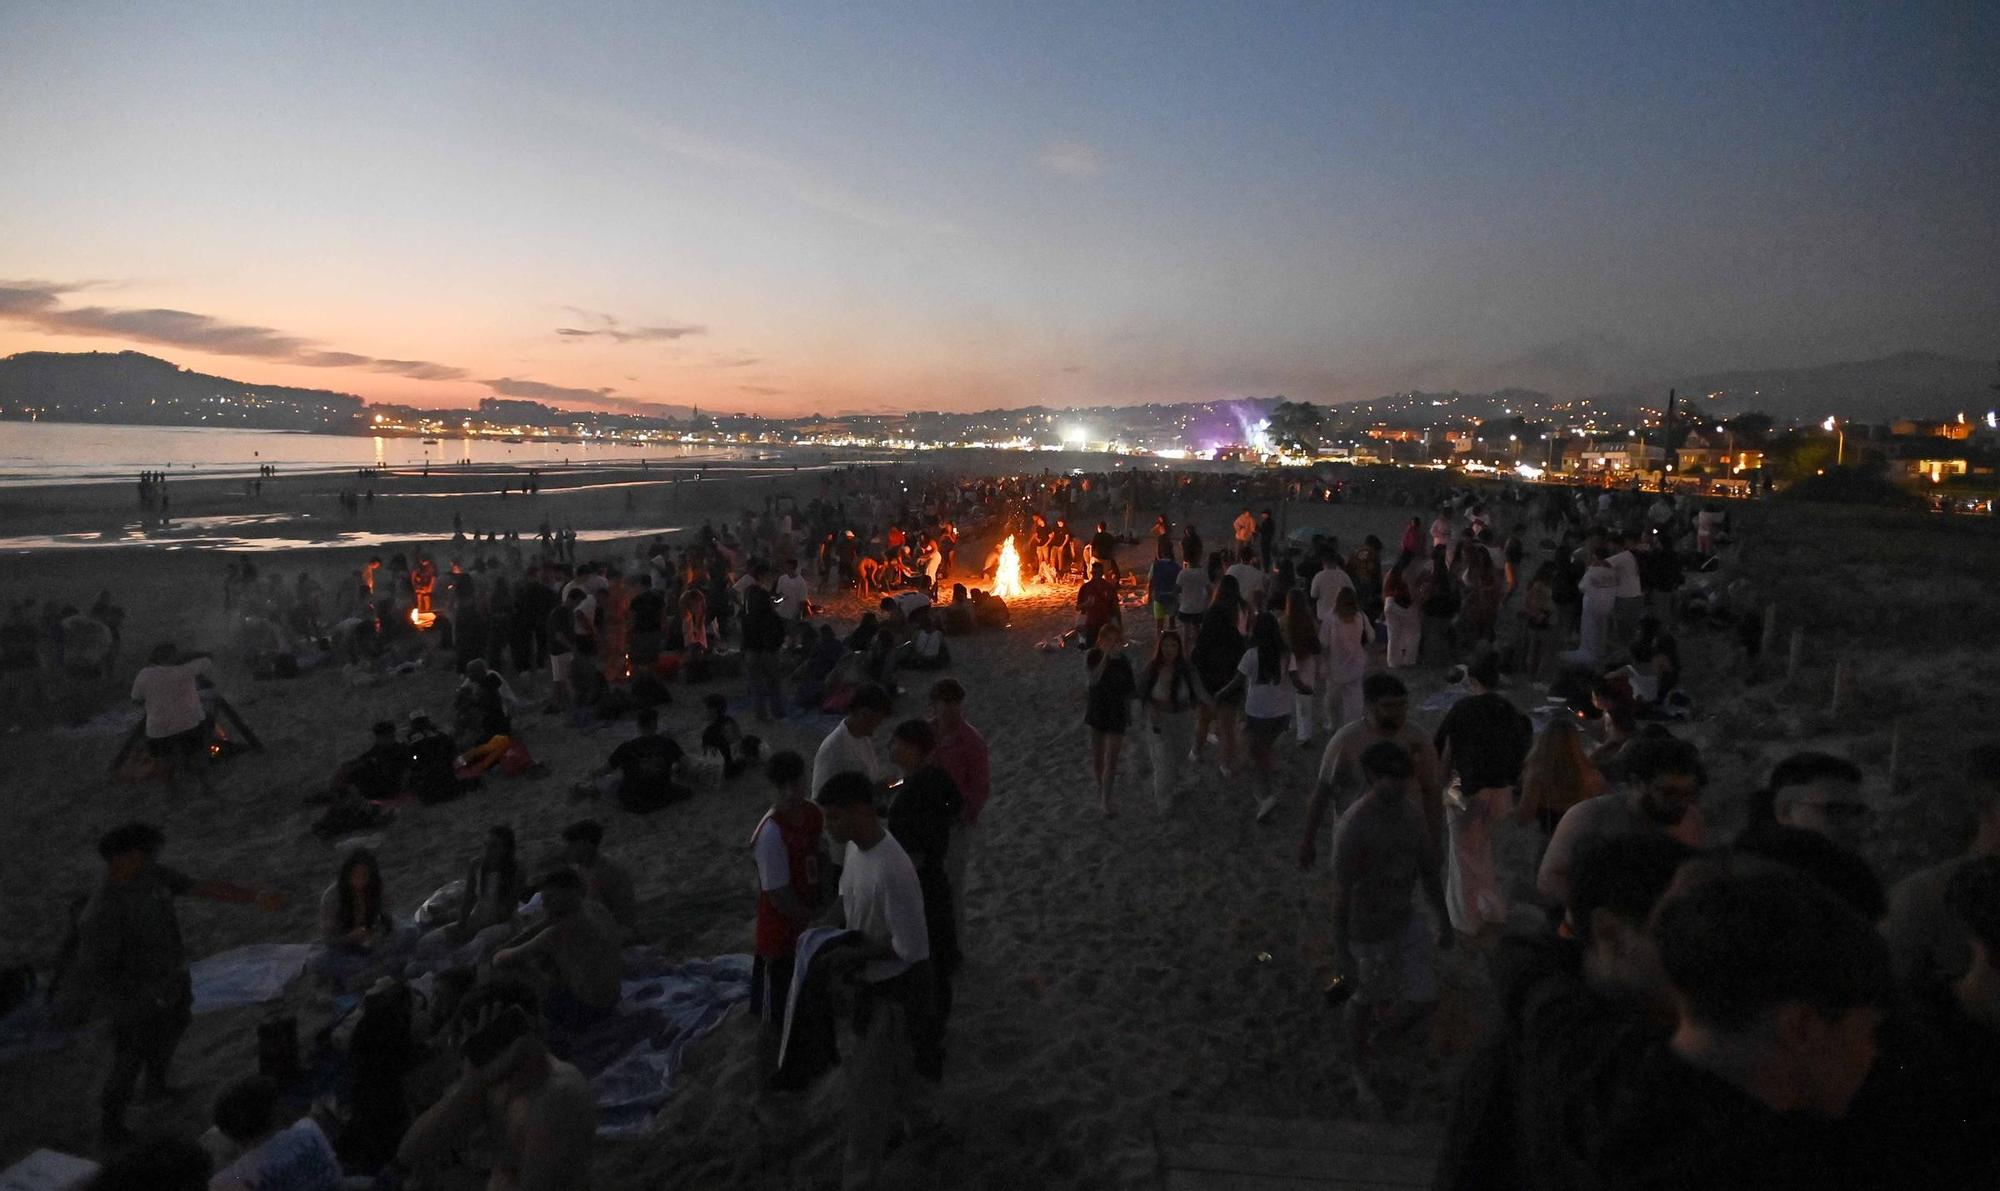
(790, 868)
(1385, 717)
(1265, 671)
(1108, 710)
(1171, 689)
(850, 748)
(1481, 745)
(896, 1034)
(961, 752)
(1665, 778)
(1245, 527)
(1382, 853)
(1927, 942)
(129, 952)
(177, 723)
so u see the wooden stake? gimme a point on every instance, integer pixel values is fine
(1843, 685)
(1895, 751)
(1797, 654)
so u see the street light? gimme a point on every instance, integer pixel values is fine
(1840, 448)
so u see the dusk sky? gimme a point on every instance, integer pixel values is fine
(836, 207)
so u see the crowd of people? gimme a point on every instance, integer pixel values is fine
(1674, 1009)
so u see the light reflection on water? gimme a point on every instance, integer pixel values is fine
(174, 538)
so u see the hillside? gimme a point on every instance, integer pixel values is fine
(137, 389)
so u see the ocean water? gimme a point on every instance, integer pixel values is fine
(74, 452)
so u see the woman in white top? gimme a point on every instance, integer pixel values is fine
(1302, 640)
(1403, 610)
(1347, 636)
(1600, 596)
(1170, 689)
(1268, 678)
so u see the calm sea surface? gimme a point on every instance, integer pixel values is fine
(72, 452)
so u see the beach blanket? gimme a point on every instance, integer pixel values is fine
(28, 1030)
(663, 1006)
(247, 975)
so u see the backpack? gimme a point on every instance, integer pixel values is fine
(433, 777)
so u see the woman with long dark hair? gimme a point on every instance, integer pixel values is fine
(1403, 614)
(1170, 689)
(1108, 710)
(1302, 640)
(1263, 675)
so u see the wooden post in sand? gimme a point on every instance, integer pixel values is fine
(1797, 654)
(1843, 685)
(1895, 752)
(1770, 643)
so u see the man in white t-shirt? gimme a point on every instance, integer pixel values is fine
(1631, 592)
(850, 746)
(176, 719)
(1191, 588)
(880, 898)
(1249, 579)
(1327, 584)
(790, 599)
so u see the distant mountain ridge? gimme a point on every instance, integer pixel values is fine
(137, 389)
(1908, 384)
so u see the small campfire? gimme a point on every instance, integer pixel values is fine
(424, 621)
(1007, 582)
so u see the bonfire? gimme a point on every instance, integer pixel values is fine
(1007, 574)
(423, 620)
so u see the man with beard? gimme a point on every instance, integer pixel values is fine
(1385, 717)
(1665, 777)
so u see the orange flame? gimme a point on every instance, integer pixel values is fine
(422, 619)
(1007, 575)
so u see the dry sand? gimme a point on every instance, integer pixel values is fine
(1118, 971)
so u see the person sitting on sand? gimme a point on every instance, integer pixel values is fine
(810, 677)
(574, 954)
(640, 772)
(352, 917)
(486, 908)
(177, 722)
(989, 611)
(252, 1152)
(536, 1114)
(377, 774)
(925, 650)
(722, 737)
(605, 881)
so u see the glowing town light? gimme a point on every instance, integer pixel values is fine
(1074, 437)
(1007, 574)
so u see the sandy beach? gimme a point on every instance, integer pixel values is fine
(1118, 971)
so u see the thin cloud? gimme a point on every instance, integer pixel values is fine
(534, 390)
(40, 304)
(612, 329)
(736, 361)
(1070, 159)
(802, 185)
(760, 390)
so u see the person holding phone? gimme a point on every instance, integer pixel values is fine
(538, 1111)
